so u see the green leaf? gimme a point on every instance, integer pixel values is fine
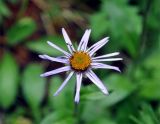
(56, 118)
(33, 85)
(56, 102)
(49, 119)
(150, 89)
(9, 75)
(97, 95)
(94, 107)
(146, 116)
(98, 29)
(40, 46)
(22, 29)
(121, 22)
(61, 102)
(152, 62)
(121, 88)
(4, 11)
(91, 93)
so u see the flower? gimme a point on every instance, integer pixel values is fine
(81, 62)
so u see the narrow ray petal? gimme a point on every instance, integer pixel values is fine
(104, 66)
(68, 41)
(61, 60)
(107, 60)
(64, 83)
(92, 76)
(62, 57)
(56, 71)
(78, 86)
(106, 55)
(97, 46)
(84, 41)
(58, 48)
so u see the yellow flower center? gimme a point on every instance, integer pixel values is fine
(80, 61)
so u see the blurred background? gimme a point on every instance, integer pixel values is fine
(134, 29)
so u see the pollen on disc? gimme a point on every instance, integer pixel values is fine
(80, 61)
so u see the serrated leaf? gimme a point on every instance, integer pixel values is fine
(40, 46)
(33, 85)
(22, 29)
(9, 75)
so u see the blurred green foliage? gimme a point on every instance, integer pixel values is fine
(9, 75)
(120, 21)
(134, 30)
(21, 30)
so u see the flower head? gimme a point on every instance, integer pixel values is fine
(81, 62)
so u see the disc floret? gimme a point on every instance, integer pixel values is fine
(80, 61)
